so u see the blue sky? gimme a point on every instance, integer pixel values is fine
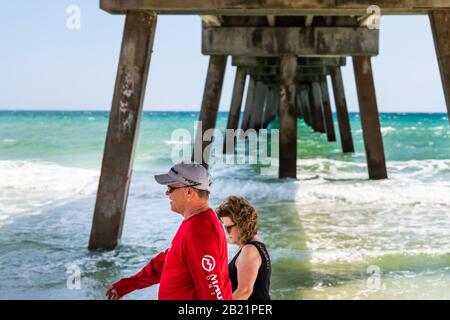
(44, 65)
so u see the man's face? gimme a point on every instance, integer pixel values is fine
(177, 195)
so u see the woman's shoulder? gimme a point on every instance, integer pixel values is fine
(250, 250)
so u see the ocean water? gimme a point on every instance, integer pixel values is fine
(331, 234)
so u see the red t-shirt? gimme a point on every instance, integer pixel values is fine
(195, 267)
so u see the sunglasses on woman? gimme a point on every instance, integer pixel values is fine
(228, 228)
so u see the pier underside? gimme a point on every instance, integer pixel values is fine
(285, 52)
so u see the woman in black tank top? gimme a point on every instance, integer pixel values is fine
(250, 268)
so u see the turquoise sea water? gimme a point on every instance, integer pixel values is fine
(327, 232)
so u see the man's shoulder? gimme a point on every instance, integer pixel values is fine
(208, 217)
(204, 224)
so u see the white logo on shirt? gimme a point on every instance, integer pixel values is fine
(208, 263)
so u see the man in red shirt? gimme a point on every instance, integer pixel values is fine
(195, 266)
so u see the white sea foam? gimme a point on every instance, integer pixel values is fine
(176, 142)
(414, 181)
(27, 187)
(8, 140)
(336, 180)
(387, 130)
(254, 190)
(348, 220)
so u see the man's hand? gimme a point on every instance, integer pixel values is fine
(111, 294)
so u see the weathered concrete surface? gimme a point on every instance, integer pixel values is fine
(440, 25)
(235, 108)
(270, 110)
(123, 130)
(299, 41)
(316, 103)
(370, 122)
(288, 118)
(306, 106)
(210, 107)
(248, 104)
(275, 71)
(299, 105)
(327, 114)
(245, 61)
(273, 7)
(258, 106)
(341, 110)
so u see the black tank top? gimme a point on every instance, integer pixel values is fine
(262, 283)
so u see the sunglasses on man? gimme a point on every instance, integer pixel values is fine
(171, 189)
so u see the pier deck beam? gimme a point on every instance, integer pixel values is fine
(328, 116)
(370, 121)
(300, 41)
(341, 110)
(235, 108)
(123, 128)
(288, 117)
(440, 25)
(210, 107)
(273, 7)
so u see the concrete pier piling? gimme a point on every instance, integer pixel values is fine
(370, 121)
(248, 104)
(255, 121)
(235, 108)
(440, 26)
(288, 117)
(305, 105)
(270, 110)
(328, 115)
(316, 102)
(123, 128)
(209, 108)
(341, 110)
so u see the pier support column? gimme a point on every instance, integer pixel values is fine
(306, 107)
(248, 104)
(370, 122)
(311, 108)
(440, 25)
(341, 110)
(258, 106)
(270, 111)
(316, 100)
(288, 117)
(299, 104)
(210, 107)
(235, 108)
(123, 128)
(328, 116)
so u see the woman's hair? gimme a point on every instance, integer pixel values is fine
(241, 212)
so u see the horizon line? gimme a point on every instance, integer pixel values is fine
(176, 110)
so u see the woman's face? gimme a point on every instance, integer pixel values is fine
(232, 229)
